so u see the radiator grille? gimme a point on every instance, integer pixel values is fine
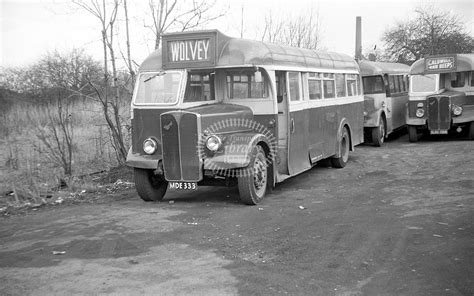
(180, 134)
(439, 113)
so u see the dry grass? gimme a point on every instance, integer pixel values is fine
(27, 173)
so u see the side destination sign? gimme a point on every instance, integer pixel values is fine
(440, 64)
(189, 50)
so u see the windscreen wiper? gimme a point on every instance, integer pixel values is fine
(161, 73)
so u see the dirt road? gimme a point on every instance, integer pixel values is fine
(398, 220)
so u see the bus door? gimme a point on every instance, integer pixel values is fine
(298, 156)
(399, 98)
(282, 99)
(387, 101)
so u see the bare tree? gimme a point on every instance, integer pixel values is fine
(57, 134)
(273, 29)
(109, 92)
(56, 81)
(180, 16)
(128, 60)
(300, 31)
(430, 32)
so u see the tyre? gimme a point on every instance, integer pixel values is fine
(470, 133)
(378, 133)
(412, 134)
(149, 186)
(344, 147)
(253, 185)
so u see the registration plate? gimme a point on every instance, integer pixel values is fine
(183, 185)
(439, 132)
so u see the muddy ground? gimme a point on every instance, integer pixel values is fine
(398, 220)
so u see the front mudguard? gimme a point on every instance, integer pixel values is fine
(466, 116)
(372, 119)
(137, 160)
(413, 120)
(344, 123)
(236, 151)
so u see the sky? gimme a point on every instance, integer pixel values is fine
(29, 29)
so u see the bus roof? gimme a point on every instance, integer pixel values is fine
(443, 64)
(181, 50)
(369, 68)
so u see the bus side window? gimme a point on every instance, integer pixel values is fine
(458, 79)
(391, 82)
(280, 78)
(314, 86)
(351, 85)
(294, 82)
(328, 85)
(397, 85)
(401, 83)
(304, 86)
(340, 85)
(199, 88)
(258, 85)
(442, 80)
(386, 85)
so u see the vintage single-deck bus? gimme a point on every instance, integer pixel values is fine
(385, 97)
(210, 109)
(441, 95)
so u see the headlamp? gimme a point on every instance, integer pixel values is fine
(213, 143)
(457, 110)
(420, 112)
(149, 146)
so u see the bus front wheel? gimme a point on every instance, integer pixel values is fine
(412, 134)
(149, 186)
(378, 133)
(253, 184)
(344, 147)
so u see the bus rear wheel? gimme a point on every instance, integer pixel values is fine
(253, 185)
(344, 147)
(378, 133)
(149, 186)
(412, 134)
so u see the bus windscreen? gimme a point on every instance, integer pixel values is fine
(423, 83)
(158, 88)
(373, 85)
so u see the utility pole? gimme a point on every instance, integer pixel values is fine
(358, 40)
(242, 23)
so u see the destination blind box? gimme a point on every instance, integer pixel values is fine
(191, 50)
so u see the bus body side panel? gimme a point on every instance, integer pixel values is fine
(352, 114)
(398, 111)
(315, 133)
(298, 142)
(356, 118)
(325, 122)
(330, 116)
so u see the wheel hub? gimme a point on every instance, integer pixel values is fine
(259, 176)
